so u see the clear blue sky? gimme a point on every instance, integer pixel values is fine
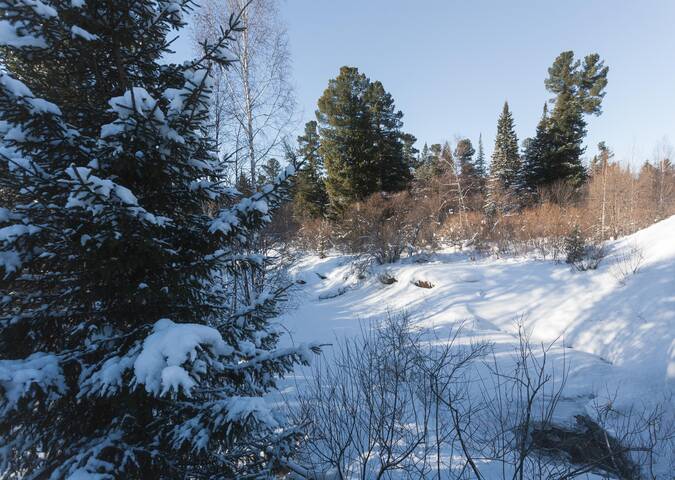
(451, 64)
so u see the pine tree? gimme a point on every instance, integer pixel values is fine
(579, 89)
(346, 141)
(506, 163)
(410, 153)
(464, 153)
(310, 199)
(270, 171)
(124, 350)
(386, 136)
(360, 139)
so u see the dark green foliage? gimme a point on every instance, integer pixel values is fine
(505, 170)
(113, 252)
(555, 153)
(464, 153)
(580, 253)
(310, 198)
(410, 153)
(537, 155)
(361, 139)
(270, 171)
(575, 246)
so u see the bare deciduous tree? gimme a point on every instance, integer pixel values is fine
(253, 103)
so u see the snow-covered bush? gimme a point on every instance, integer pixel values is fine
(582, 254)
(135, 339)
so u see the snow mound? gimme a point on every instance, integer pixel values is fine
(161, 364)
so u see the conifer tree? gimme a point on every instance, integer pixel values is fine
(124, 350)
(270, 171)
(579, 88)
(410, 153)
(360, 139)
(479, 164)
(464, 153)
(310, 199)
(506, 163)
(537, 155)
(346, 140)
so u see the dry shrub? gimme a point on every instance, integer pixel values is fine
(384, 226)
(462, 230)
(315, 235)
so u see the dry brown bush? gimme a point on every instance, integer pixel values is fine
(386, 225)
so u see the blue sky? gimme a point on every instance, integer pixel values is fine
(450, 64)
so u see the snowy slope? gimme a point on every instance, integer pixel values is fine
(629, 324)
(616, 331)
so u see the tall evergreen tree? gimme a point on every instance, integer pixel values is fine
(387, 139)
(360, 139)
(537, 155)
(480, 165)
(464, 153)
(579, 88)
(506, 163)
(310, 199)
(410, 153)
(124, 350)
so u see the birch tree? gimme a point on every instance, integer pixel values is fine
(253, 106)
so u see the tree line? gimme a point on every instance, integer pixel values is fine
(357, 146)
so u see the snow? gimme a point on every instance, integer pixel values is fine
(139, 102)
(10, 37)
(20, 91)
(18, 376)
(616, 333)
(160, 364)
(239, 409)
(82, 33)
(107, 380)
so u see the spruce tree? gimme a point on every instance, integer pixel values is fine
(310, 198)
(480, 165)
(506, 163)
(124, 350)
(537, 155)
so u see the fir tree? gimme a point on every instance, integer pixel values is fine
(537, 155)
(506, 163)
(479, 164)
(125, 351)
(310, 197)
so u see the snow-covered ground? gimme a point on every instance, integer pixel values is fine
(614, 329)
